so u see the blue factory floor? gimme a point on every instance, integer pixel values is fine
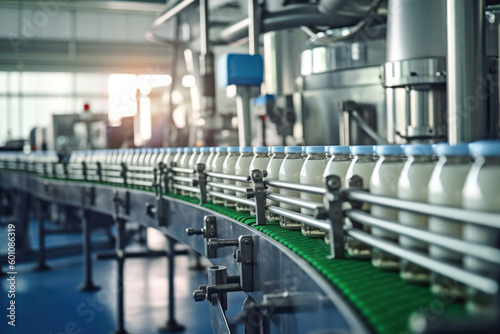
(49, 303)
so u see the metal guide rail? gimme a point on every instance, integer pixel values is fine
(328, 216)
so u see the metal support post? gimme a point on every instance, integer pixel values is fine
(41, 214)
(88, 284)
(120, 251)
(202, 183)
(172, 325)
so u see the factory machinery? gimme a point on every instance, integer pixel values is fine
(353, 74)
(295, 281)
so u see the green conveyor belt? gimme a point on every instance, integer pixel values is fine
(383, 298)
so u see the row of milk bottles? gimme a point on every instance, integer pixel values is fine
(463, 176)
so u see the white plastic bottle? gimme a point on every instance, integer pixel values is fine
(259, 161)
(413, 186)
(169, 157)
(482, 192)
(233, 153)
(217, 163)
(273, 170)
(445, 188)
(177, 157)
(184, 163)
(340, 160)
(338, 164)
(242, 169)
(384, 182)
(202, 156)
(362, 164)
(311, 173)
(290, 172)
(193, 158)
(208, 168)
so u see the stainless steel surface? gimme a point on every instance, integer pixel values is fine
(276, 263)
(173, 9)
(296, 186)
(409, 72)
(187, 188)
(466, 73)
(416, 29)
(322, 93)
(322, 224)
(476, 281)
(486, 253)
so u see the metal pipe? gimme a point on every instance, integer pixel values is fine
(186, 188)
(227, 187)
(244, 116)
(88, 284)
(173, 8)
(292, 16)
(182, 170)
(182, 179)
(469, 216)
(466, 77)
(296, 186)
(254, 27)
(294, 201)
(322, 224)
(232, 198)
(473, 280)
(482, 252)
(229, 177)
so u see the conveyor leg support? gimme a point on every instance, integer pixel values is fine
(197, 266)
(172, 324)
(88, 284)
(41, 210)
(120, 250)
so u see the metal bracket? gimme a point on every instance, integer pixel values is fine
(242, 254)
(88, 196)
(208, 231)
(123, 174)
(202, 182)
(99, 171)
(219, 284)
(356, 182)
(84, 170)
(333, 203)
(259, 193)
(246, 261)
(121, 202)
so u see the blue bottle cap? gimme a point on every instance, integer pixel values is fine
(389, 149)
(233, 149)
(485, 148)
(205, 149)
(293, 149)
(188, 150)
(445, 149)
(246, 149)
(278, 149)
(180, 149)
(260, 149)
(171, 150)
(362, 149)
(418, 149)
(339, 149)
(196, 150)
(221, 149)
(315, 149)
(304, 148)
(213, 149)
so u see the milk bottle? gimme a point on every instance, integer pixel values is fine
(290, 172)
(384, 182)
(242, 169)
(311, 173)
(273, 169)
(260, 161)
(228, 169)
(217, 163)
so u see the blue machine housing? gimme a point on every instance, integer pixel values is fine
(240, 70)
